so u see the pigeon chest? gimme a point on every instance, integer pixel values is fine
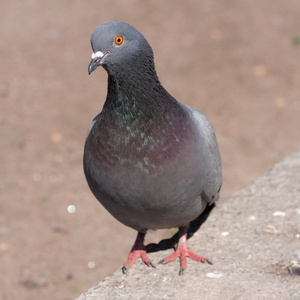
(142, 146)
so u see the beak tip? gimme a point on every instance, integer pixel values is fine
(92, 66)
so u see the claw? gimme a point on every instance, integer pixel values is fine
(182, 251)
(151, 265)
(138, 250)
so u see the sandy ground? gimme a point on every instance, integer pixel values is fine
(236, 61)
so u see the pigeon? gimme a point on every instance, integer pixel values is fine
(151, 161)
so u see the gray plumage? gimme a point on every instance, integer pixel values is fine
(150, 160)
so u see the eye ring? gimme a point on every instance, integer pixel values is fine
(119, 40)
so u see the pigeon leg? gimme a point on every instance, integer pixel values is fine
(182, 251)
(138, 250)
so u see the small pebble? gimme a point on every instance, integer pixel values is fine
(271, 229)
(56, 137)
(252, 218)
(69, 276)
(91, 265)
(213, 275)
(225, 233)
(260, 70)
(71, 209)
(280, 102)
(294, 268)
(4, 246)
(279, 214)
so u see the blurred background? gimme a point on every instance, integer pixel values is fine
(236, 61)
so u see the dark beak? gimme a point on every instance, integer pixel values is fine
(94, 64)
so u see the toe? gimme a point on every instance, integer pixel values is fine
(146, 259)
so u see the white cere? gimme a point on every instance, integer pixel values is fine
(98, 54)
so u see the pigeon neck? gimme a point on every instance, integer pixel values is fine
(139, 106)
(141, 92)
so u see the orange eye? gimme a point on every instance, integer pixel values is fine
(119, 40)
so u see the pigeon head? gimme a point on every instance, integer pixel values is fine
(119, 47)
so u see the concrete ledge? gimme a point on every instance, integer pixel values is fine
(252, 237)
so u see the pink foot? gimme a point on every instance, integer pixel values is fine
(182, 251)
(138, 250)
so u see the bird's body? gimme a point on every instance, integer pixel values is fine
(151, 161)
